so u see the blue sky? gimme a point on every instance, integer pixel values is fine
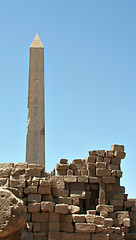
(90, 78)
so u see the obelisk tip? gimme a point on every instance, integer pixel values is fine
(36, 42)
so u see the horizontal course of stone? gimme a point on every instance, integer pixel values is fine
(84, 201)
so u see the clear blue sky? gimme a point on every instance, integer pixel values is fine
(90, 78)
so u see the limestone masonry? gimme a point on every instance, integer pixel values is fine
(84, 201)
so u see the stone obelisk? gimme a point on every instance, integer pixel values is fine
(35, 142)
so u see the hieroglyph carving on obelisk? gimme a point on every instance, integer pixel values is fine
(35, 142)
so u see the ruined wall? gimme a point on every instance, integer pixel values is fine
(84, 201)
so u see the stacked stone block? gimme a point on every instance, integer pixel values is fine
(84, 201)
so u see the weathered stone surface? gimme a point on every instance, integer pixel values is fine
(85, 227)
(61, 208)
(12, 217)
(47, 206)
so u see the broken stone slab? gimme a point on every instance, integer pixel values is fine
(12, 217)
(104, 208)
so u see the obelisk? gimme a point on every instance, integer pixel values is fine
(35, 142)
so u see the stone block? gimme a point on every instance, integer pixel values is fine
(72, 166)
(70, 179)
(33, 172)
(5, 172)
(66, 227)
(61, 208)
(119, 173)
(118, 196)
(104, 208)
(54, 227)
(108, 222)
(116, 202)
(94, 179)
(60, 166)
(92, 153)
(63, 161)
(4, 182)
(101, 172)
(91, 166)
(33, 207)
(30, 189)
(109, 180)
(107, 160)
(78, 162)
(70, 172)
(44, 190)
(129, 203)
(110, 153)
(126, 222)
(100, 236)
(78, 218)
(55, 192)
(19, 182)
(67, 236)
(93, 212)
(73, 209)
(82, 179)
(85, 227)
(40, 217)
(65, 200)
(120, 154)
(115, 161)
(95, 219)
(116, 147)
(40, 236)
(53, 217)
(61, 172)
(99, 159)
(45, 182)
(54, 236)
(113, 167)
(101, 153)
(90, 159)
(47, 206)
(34, 198)
(101, 165)
(64, 193)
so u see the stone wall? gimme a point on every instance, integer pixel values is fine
(84, 201)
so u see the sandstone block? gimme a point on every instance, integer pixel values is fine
(33, 207)
(72, 166)
(116, 161)
(94, 179)
(60, 166)
(126, 222)
(90, 159)
(40, 217)
(65, 200)
(107, 159)
(40, 236)
(54, 227)
(99, 159)
(93, 212)
(61, 208)
(5, 172)
(104, 208)
(91, 166)
(45, 182)
(83, 179)
(116, 147)
(53, 217)
(33, 172)
(54, 236)
(101, 153)
(78, 218)
(70, 179)
(66, 227)
(110, 154)
(73, 209)
(69, 172)
(109, 179)
(108, 222)
(119, 173)
(118, 196)
(101, 165)
(77, 162)
(30, 189)
(44, 190)
(4, 182)
(100, 236)
(67, 236)
(55, 192)
(129, 203)
(92, 153)
(101, 172)
(85, 227)
(116, 202)
(120, 154)
(34, 198)
(63, 161)
(47, 206)
(17, 182)
(95, 219)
